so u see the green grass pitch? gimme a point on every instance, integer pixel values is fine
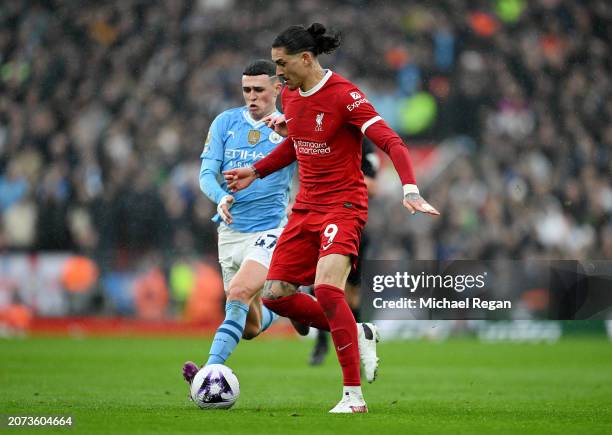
(117, 385)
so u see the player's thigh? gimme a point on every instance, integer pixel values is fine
(295, 256)
(340, 235)
(228, 263)
(333, 269)
(262, 245)
(248, 281)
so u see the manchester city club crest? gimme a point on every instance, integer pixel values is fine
(254, 136)
(275, 137)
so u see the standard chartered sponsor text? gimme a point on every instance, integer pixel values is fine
(308, 147)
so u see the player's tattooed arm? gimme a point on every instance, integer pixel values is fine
(274, 289)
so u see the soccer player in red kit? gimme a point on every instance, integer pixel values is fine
(325, 118)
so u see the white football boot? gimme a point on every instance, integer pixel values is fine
(351, 403)
(367, 337)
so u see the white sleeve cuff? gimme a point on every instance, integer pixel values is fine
(410, 188)
(223, 200)
(369, 122)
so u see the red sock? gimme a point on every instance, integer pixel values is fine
(343, 331)
(300, 307)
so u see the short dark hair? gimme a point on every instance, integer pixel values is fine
(315, 38)
(259, 67)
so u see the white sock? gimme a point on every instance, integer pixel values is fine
(352, 391)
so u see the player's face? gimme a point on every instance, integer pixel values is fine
(260, 94)
(291, 67)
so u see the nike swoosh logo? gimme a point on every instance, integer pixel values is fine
(326, 247)
(343, 347)
(287, 120)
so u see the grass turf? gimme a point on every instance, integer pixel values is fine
(459, 386)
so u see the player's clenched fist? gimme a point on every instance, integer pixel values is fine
(241, 178)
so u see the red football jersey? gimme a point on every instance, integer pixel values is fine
(326, 126)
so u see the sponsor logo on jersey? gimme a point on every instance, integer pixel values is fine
(311, 148)
(319, 121)
(355, 95)
(356, 104)
(244, 154)
(253, 136)
(275, 137)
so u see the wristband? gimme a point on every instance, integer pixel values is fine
(410, 188)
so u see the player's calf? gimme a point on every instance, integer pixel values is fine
(251, 330)
(244, 295)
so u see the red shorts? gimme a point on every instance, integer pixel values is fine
(310, 235)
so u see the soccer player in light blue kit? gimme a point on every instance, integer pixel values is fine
(247, 235)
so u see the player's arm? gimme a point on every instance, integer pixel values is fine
(363, 115)
(212, 158)
(370, 163)
(282, 156)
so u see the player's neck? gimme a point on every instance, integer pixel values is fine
(313, 79)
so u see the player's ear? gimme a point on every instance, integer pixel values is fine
(307, 58)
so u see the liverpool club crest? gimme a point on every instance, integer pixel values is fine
(319, 121)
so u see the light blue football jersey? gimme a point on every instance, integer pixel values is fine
(236, 140)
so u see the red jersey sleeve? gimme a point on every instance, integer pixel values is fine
(360, 113)
(283, 155)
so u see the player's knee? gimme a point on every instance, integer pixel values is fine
(251, 330)
(240, 293)
(277, 289)
(268, 294)
(333, 270)
(329, 276)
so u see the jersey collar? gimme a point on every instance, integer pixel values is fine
(318, 86)
(251, 121)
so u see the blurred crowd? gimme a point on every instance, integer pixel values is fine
(104, 105)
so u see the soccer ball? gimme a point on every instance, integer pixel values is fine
(215, 386)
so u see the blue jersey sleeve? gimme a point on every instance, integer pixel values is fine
(212, 158)
(208, 180)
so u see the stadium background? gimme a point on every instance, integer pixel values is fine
(505, 104)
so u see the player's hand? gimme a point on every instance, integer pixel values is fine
(414, 202)
(278, 124)
(240, 178)
(223, 208)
